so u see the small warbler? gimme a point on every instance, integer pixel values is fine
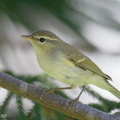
(64, 63)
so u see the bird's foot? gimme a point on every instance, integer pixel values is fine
(72, 102)
(52, 90)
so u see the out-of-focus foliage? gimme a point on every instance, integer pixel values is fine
(75, 14)
(104, 12)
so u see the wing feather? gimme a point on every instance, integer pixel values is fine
(85, 63)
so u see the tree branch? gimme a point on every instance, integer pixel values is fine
(53, 101)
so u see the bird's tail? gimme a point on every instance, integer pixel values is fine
(114, 91)
(104, 84)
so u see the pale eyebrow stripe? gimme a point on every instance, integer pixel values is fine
(46, 37)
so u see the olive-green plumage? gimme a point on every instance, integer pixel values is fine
(64, 63)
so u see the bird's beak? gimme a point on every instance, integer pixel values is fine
(27, 37)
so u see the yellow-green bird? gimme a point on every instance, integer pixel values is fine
(63, 62)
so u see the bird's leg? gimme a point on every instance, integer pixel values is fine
(72, 102)
(54, 89)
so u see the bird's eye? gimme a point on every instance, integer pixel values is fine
(42, 39)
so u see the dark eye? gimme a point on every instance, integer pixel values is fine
(42, 39)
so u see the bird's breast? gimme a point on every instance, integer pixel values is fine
(63, 70)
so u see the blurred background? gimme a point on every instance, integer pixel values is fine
(91, 26)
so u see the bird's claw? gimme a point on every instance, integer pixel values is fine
(72, 102)
(44, 94)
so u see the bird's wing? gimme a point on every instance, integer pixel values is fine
(85, 63)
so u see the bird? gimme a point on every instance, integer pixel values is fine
(63, 62)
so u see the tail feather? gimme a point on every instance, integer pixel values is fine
(114, 91)
(111, 89)
(104, 84)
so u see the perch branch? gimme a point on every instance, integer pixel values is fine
(53, 101)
